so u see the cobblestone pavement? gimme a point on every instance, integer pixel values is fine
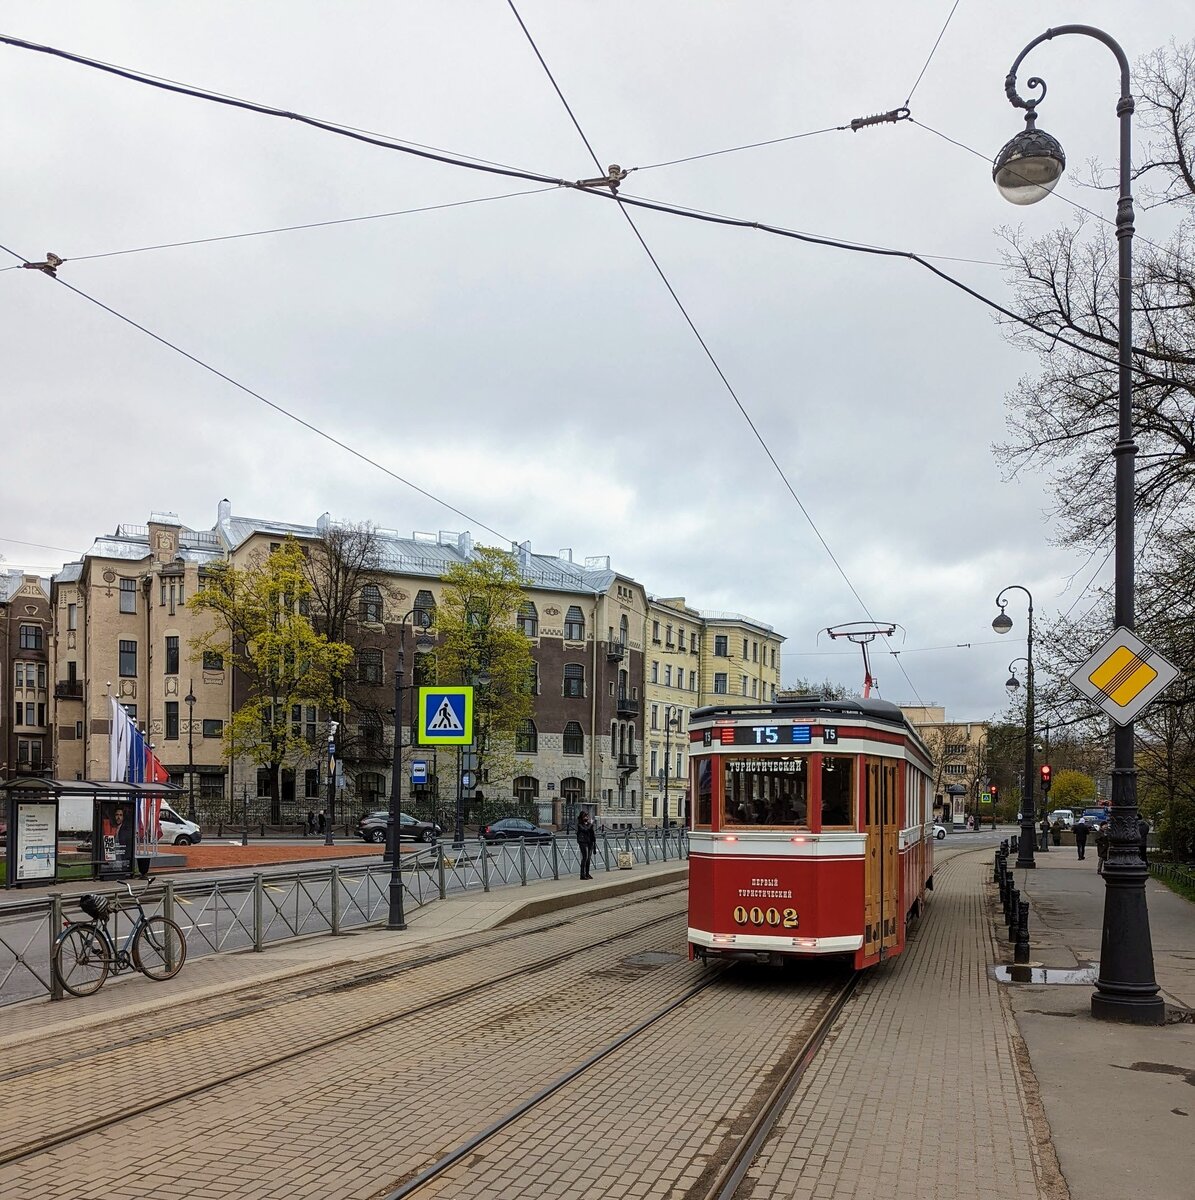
(115, 1070)
(918, 1093)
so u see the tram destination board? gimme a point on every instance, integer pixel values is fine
(770, 735)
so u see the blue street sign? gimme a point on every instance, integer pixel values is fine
(445, 716)
(419, 771)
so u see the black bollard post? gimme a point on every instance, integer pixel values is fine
(1014, 902)
(996, 867)
(1004, 845)
(1014, 843)
(1021, 953)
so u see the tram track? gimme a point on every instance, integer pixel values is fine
(112, 1117)
(723, 1180)
(91, 1042)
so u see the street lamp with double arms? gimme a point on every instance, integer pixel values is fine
(1002, 624)
(423, 643)
(1025, 170)
(671, 721)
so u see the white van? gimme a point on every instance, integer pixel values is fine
(176, 830)
(1064, 817)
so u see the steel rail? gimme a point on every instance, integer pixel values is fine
(38, 1145)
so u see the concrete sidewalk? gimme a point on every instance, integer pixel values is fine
(1117, 1097)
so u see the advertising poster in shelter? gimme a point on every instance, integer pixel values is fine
(117, 818)
(37, 841)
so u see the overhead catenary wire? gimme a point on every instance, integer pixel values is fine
(933, 51)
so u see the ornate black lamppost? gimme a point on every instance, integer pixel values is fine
(671, 722)
(189, 701)
(1025, 171)
(423, 643)
(333, 726)
(1002, 624)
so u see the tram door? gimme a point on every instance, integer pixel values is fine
(881, 866)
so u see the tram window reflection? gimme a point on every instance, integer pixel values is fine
(838, 789)
(769, 793)
(704, 792)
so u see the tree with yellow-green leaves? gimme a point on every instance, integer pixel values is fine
(478, 637)
(278, 660)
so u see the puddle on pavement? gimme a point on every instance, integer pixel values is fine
(1027, 973)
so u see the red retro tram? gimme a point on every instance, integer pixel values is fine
(810, 830)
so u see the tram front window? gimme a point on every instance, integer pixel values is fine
(770, 792)
(838, 778)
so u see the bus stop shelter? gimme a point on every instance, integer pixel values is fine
(113, 824)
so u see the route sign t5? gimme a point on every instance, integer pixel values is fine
(445, 716)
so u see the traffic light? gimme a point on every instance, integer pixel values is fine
(995, 794)
(1045, 778)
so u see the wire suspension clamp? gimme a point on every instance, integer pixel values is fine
(613, 177)
(50, 266)
(891, 116)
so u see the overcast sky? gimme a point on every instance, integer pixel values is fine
(520, 359)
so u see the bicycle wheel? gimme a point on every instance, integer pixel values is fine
(81, 960)
(159, 950)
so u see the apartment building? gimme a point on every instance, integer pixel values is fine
(26, 703)
(959, 750)
(740, 659)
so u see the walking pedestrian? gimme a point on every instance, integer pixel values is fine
(1102, 841)
(1142, 835)
(1045, 833)
(586, 842)
(1081, 832)
(323, 820)
(309, 828)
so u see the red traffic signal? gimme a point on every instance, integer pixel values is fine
(995, 793)
(1045, 777)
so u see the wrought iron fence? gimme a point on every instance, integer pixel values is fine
(247, 912)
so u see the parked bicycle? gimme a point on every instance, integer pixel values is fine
(85, 951)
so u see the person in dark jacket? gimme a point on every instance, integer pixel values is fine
(310, 826)
(586, 842)
(1142, 835)
(323, 820)
(1102, 841)
(1081, 831)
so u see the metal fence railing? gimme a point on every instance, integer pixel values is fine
(1183, 873)
(249, 912)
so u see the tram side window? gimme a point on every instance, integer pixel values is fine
(705, 792)
(838, 789)
(773, 792)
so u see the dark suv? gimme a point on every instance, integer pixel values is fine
(372, 827)
(513, 829)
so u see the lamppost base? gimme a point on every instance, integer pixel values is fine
(397, 919)
(1128, 1009)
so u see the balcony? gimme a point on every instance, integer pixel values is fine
(67, 689)
(626, 706)
(628, 762)
(615, 651)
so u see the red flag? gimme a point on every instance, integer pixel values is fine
(154, 771)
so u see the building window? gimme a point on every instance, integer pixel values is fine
(371, 788)
(574, 625)
(680, 677)
(425, 609)
(744, 679)
(128, 595)
(680, 639)
(311, 782)
(528, 619)
(655, 763)
(213, 660)
(668, 642)
(773, 658)
(574, 681)
(370, 608)
(954, 769)
(373, 740)
(527, 738)
(172, 656)
(369, 666)
(128, 659)
(533, 679)
(655, 632)
(211, 787)
(623, 629)
(31, 638)
(41, 676)
(172, 720)
(956, 749)
(720, 688)
(755, 652)
(574, 739)
(720, 650)
(655, 716)
(213, 728)
(72, 616)
(667, 675)
(655, 672)
(526, 789)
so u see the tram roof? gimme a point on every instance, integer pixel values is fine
(807, 706)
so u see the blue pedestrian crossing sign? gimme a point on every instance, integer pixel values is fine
(445, 716)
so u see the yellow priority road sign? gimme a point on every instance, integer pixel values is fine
(1124, 675)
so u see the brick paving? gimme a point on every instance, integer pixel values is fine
(918, 1094)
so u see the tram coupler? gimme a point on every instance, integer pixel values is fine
(1021, 952)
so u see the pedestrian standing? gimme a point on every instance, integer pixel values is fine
(1102, 841)
(1081, 832)
(323, 820)
(586, 843)
(310, 826)
(1142, 835)
(1045, 833)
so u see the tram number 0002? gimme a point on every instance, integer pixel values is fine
(780, 917)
